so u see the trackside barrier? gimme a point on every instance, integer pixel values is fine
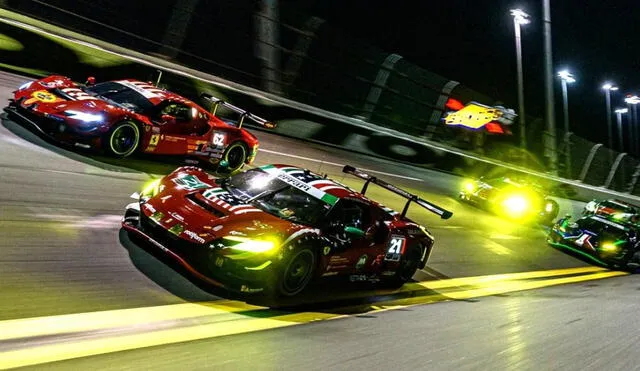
(272, 99)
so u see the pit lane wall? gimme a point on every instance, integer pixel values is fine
(37, 49)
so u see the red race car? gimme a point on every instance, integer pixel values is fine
(125, 116)
(275, 228)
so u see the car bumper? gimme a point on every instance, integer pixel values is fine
(556, 239)
(58, 128)
(247, 276)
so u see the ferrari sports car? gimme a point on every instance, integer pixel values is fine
(516, 200)
(609, 208)
(610, 240)
(275, 228)
(127, 116)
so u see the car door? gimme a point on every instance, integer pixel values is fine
(351, 250)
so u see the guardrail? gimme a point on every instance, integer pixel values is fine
(614, 176)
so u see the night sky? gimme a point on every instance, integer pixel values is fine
(473, 42)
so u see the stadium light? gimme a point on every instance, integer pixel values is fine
(520, 18)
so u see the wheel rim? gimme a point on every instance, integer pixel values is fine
(298, 272)
(235, 156)
(124, 139)
(409, 265)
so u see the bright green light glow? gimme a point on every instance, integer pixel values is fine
(469, 186)
(516, 205)
(151, 189)
(247, 244)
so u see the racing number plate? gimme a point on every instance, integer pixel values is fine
(395, 248)
(218, 140)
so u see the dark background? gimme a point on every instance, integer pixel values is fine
(468, 41)
(473, 42)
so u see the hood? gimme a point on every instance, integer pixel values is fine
(194, 208)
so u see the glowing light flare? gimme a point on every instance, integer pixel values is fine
(83, 116)
(567, 76)
(621, 110)
(469, 186)
(516, 204)
(632, 99)
(151, 188)
(519, 16)
(252, 245)
(609, 86)
(260, 181)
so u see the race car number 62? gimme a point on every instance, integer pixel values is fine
(218, 139)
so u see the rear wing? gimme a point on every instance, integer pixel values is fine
(444, 214)
(243, 114)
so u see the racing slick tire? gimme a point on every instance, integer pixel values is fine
(235, 156)
(408, 266)
(123, 139)
(295, 273)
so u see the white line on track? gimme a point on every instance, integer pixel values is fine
(337, 164)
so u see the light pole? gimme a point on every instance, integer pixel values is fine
(548, 91)
(632, 102)
(566, 78)
(619, 112)
(608, 88)
(520, 18)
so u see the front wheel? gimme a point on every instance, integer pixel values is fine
(123, 139)
(296, 273)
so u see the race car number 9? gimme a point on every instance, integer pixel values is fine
(395, 248)
(218, 139)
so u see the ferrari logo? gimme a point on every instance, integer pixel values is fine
(326, 250)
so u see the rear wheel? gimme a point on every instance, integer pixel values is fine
(296, 272)
(408, 266)
(123, 139)
(235, 156)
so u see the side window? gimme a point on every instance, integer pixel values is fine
(178, 110)
(351, 214)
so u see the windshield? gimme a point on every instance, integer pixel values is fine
(121, 95)
(276, 197)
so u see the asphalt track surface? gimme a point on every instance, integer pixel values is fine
(62, 253)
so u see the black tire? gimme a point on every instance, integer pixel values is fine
(548, 217)
(408, 267)
(123, 139)
(296, 272)
(236, 156)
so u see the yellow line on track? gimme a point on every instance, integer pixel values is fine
(128, 329)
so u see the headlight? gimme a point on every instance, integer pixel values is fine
(151, 189)
(516, 204)
(25, 85)
(251, 245)
(608, 246)
(548, 207)
(83, 116)
(469, 186)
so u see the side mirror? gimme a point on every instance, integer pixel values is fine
(353, 231)
(167, 118)
(90, 81)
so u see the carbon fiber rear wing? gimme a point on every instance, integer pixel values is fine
(444, 214)
(243, 114)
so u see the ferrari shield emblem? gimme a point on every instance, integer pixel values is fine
(326, 250)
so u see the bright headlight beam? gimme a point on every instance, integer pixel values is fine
(251, 245)
(151, 188)
(83, 116)
(516, 204)
(469, 186)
